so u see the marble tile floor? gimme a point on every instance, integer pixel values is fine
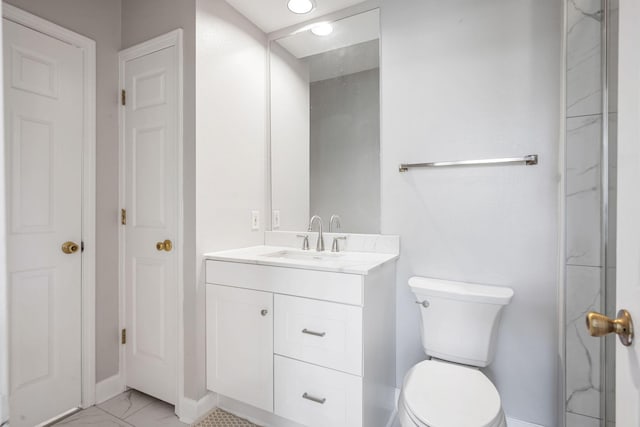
(129, 409)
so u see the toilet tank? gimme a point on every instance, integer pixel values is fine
(459, 320)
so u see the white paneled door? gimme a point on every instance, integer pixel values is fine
(151, 200)
(43, 141)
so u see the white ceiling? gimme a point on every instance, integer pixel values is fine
(272, 15)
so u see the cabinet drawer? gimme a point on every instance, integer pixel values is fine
(319, 332)
(315, 396)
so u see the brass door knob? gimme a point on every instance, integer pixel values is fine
(70, 247)
(164, 246)
(600, 325)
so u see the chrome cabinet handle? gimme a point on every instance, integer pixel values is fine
(314, 399)
(315, 334)
(424, 303)
(264, 312)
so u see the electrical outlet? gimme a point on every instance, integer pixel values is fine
(275, 220)
(255, 220)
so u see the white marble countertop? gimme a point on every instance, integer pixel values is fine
(283, 256)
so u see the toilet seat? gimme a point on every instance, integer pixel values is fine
(439, 394)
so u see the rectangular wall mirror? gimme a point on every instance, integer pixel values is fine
(325, 125)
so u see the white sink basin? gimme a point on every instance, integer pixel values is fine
(306, 255)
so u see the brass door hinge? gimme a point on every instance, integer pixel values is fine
(123, 337)
(123, 97)
(123, 216)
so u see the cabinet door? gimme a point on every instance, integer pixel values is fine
(240, 344)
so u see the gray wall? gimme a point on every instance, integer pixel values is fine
(100, 21)
(345, 150)
(463, 80)
(141, 21)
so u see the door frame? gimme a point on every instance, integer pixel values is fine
(171, 39)
(88, 256)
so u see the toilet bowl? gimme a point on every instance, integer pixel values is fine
(438, 394)
(459, 327)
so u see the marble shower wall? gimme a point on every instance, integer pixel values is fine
(585, 271)
(584, 93)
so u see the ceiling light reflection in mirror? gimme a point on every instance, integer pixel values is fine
(350, 31)
(323, 29)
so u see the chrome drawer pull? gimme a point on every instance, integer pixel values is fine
(314, 399)
(315, 334)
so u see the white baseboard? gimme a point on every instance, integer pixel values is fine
(511, 422)
(253, 414)
(111, 387)
(193, 410)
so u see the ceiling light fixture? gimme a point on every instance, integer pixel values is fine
(301, 6)
(322, 29)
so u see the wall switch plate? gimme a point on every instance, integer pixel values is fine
(275, 220)
(255, 220)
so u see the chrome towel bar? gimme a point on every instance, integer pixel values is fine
(530, 160)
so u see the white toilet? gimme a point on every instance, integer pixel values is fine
(459, 328)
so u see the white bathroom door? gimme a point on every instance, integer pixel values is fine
(43, 80)
(151, 200)
(628, 250)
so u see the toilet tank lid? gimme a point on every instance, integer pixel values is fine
(462, 291)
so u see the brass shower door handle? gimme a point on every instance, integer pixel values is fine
(600, 325)
(164, 246)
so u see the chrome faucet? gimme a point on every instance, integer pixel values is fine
(320, 242)
(336, 219)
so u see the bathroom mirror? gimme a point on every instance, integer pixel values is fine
(325, 125)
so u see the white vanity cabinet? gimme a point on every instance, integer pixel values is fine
(311, 348)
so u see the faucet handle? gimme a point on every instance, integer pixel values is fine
(305, 242)
(334, 219)
(334, 245)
